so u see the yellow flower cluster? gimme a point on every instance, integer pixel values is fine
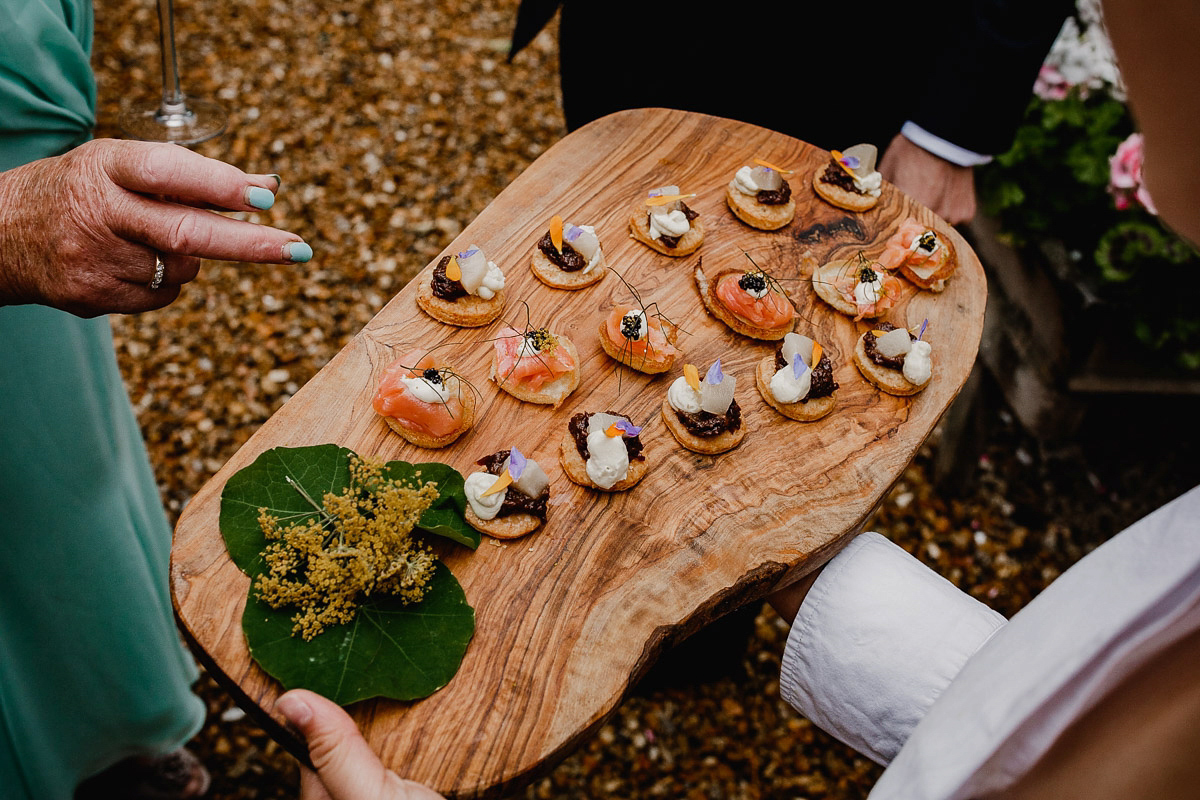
(359, 544)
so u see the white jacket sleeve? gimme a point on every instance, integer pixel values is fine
(877, 639)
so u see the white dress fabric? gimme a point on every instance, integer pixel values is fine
(887, 659)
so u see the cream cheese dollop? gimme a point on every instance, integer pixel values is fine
(787, 388)
(866, 293)
(608, 459)
(870, 184)
(427, 391)
(475, 485)
(918, 363)
(668, 223)
(493, 281)
(683, 397)
(743, 181)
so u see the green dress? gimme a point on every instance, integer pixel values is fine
(91, 666)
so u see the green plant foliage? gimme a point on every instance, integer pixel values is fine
(390, 649)
(1053, 185)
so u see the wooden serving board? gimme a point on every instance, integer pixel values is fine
(569, 617)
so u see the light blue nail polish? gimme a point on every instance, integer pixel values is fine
(298, 252)
(260, 197)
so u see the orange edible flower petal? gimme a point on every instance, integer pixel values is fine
(500, 485)
(784, 172)
(837, 157)
(692, 376)
(556, 232)
(612, 431)
(816, 355)
(453, 271)
(662, 200)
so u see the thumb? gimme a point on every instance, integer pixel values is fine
(347, 767)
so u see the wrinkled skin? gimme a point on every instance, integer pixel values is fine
(80, 231)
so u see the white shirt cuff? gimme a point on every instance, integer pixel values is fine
(877, 639)
(941, 148)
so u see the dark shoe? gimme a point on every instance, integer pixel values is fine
(178, 775)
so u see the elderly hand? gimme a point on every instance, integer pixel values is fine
(947, 189)
(82, 232)
(346, 767)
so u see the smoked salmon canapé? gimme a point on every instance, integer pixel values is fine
(752, 303)
(640, 338)
(536, 366)
(424, 400)
(857, 287)
(921, 255)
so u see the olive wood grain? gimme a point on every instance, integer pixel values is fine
(569, 617)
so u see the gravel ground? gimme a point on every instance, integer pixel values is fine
(394, 123)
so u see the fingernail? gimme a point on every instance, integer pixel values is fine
(298, 252)
(260, 197)
(278, 181)
(294, 710)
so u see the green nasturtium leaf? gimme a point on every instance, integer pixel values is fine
(390, 649)
(318, 469)
(445, 516)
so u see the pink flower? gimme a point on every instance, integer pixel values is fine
(1125, 175)
(1050, 83)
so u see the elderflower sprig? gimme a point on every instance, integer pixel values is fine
(360, 544)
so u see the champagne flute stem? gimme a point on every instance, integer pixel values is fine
(172, 102)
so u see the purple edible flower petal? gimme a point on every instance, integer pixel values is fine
(627, 427)
(573, 232)
(924, 325)
(851, 161)
(797, 363)
(516, 463)
(714, 375)
(469, 253)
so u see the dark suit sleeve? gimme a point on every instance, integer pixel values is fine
(532, 16)
(985, 70)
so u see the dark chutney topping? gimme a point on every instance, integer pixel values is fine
(775, 197)
(872, 349)
(442, 286)
(515, 502)
(837, 176)
(578, 428)
(822, 384)
(673, 241)
(569, 260)
(703, 423)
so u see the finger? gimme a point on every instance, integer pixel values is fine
(311, 787)
(342, 758)
(167, 169)
(170, 228)
(179, 269)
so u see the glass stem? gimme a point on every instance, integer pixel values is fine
(172, 102)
